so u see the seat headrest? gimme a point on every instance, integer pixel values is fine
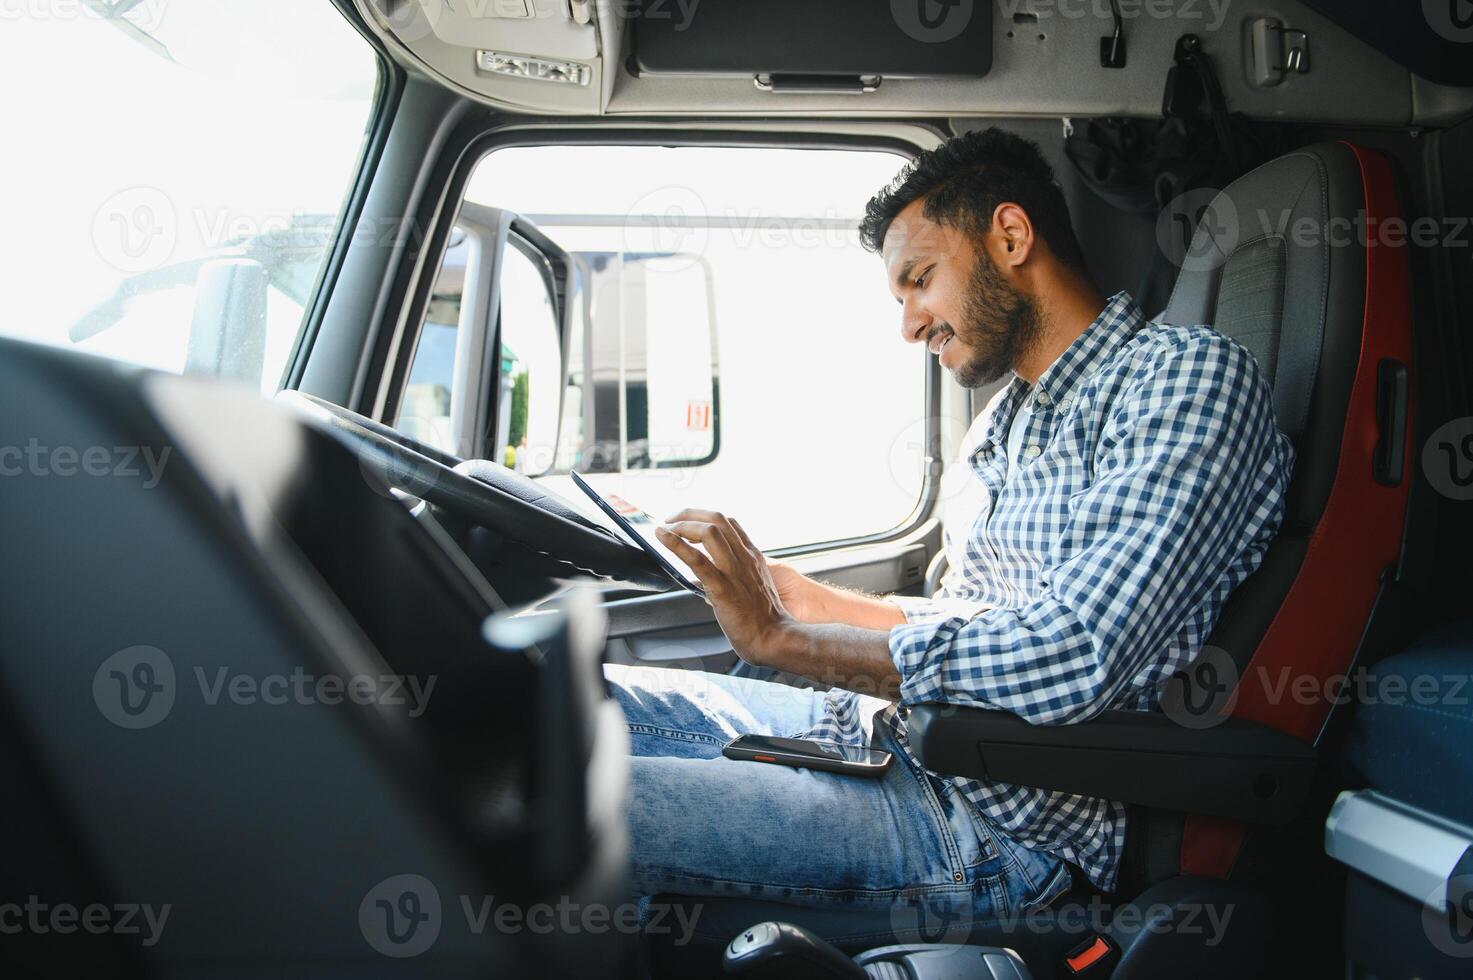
(1278, 263)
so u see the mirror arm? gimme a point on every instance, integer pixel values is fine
(106, 314)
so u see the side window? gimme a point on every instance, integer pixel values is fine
(527, 416)
(528, 364)
(182, 218)
(731, 344)
(424, 411)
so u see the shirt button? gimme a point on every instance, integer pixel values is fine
(1042, 398)
(1032, 452)
(1064, 404)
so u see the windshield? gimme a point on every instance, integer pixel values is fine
(175, 174)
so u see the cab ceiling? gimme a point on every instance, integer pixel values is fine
(1045, 62)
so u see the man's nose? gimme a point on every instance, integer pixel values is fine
(915, 323)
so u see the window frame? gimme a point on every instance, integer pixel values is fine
(481, 146)
(388, 90)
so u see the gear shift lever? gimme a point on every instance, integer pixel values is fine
(779, 951)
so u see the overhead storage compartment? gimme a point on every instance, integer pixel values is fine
(808, 38)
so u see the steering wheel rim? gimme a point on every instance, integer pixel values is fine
(484, 493)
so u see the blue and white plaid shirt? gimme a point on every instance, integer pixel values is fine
(1150, 481)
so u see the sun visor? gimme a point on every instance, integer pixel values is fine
(773, 40)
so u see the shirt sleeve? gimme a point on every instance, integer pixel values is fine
(1190, 472)
(918, 609)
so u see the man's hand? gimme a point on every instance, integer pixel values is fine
(739, 582)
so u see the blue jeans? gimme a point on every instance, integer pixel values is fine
(906, 843)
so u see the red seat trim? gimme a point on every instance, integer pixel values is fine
(1319, 624)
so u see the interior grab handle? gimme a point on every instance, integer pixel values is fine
(1391, 422)
(781, 84)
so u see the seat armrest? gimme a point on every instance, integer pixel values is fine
(1236, 769)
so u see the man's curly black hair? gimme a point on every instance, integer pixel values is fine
(964, 180)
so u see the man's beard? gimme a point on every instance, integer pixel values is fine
(1001, 324)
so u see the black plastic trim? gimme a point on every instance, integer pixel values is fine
(1391, 422)
(386, 103)
(1237, 769)
(441, 181)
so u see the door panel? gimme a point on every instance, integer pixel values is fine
(678, 629)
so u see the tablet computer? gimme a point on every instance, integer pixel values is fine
(639, 527)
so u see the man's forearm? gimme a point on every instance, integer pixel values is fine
(830, 604)
(850, 657)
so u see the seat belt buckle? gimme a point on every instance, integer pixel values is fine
(1095, 956)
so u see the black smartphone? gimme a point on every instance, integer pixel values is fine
(807, 753)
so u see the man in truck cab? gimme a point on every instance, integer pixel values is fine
(1124, 481)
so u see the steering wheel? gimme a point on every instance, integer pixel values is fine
(483, 493)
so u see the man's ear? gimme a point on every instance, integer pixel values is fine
(1012, 235)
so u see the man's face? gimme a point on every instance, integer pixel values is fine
(955, 300)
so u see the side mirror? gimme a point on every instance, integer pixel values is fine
(228, 312)
(600, 361)
(651, 384)
(227, 333)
